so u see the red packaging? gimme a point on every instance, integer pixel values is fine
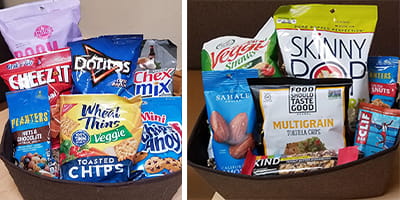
(52, 69)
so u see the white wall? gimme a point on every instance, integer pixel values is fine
(156, 19)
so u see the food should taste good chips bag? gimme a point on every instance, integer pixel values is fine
(233, 52)
(328, 41)
(40, 26)
(160, 150)
(301, 115)
(100, 134)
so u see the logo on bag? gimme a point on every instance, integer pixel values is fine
(43, 32)
(99, 65)
(302, 99)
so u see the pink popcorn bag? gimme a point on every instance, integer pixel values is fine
(41, 26)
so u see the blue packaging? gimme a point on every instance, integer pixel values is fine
(382, 72)
(29, 114)
(105, 64)
(377, 128)
(228, 99)
(160, 150)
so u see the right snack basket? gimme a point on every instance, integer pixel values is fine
(322, 122)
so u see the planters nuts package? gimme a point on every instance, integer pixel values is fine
(105, 64)
(100, 134)
(29, 113)
(155, 69)
(160, 151)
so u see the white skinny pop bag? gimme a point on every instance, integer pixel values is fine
(328, 41)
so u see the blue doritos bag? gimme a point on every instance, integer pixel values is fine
(232, 115)
(105, 64)
(160, 151)
(29, 113)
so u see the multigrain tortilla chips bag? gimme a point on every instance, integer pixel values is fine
(99, 137)
(328, 41)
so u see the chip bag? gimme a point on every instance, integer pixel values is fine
(100, 135)
(160, 150)
(232, 52)
(29, 114)
(155, 69)
(39, 27)
(105, 64)
(301, 115)
(328, 41)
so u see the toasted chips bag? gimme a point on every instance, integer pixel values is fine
(100, 135)
(42, 26)
(328, 41)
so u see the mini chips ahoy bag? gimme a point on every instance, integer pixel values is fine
(105, 64)
(100, 134)
(160, 151)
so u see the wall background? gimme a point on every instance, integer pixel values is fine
(156, 19)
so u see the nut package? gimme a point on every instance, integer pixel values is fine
(231, 115)
(100, 134)
(160, 150)
(29, 113)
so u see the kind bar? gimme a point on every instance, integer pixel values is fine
(383, 72)
(289, 164)
(160, 150)
(232, 116)
(29, 113)
(38, 27)
(105, 64)
(232, 52)
(328, 41)
(155, 69)
(377, 128)
(101, 137)
(311, 114)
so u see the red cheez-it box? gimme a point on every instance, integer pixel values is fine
(52, 68)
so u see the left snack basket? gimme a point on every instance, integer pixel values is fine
(76, 122)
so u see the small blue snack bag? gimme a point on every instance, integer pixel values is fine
(160, 150)
(377, 128)
(382, 72)
(231, 114)
(105, 64)
(29, 114)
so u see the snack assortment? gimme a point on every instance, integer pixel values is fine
(74, 107)
(306, 112)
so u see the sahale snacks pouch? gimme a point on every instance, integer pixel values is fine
(231, 114)
(105, 64)
(328, 41)
(100, 134)
(40, 26)
(160, 151)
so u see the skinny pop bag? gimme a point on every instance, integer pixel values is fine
(41, 26)
(328, 41)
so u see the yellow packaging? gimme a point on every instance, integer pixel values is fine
(100, 134)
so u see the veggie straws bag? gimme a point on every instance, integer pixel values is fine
(100, 135)
(328, 41)
(39, 27)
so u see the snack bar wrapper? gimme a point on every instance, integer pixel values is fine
(40, 26)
